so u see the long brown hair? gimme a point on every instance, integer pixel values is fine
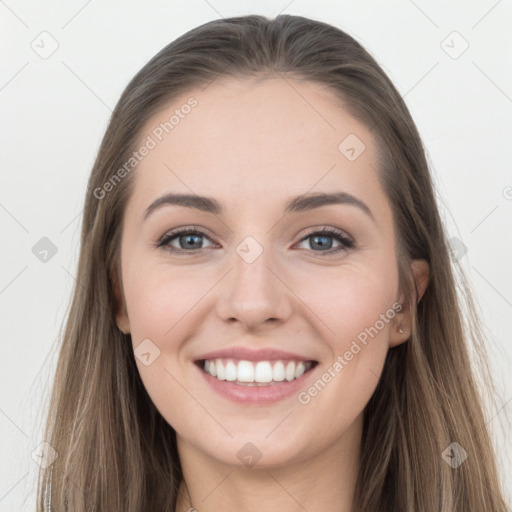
(115, 450)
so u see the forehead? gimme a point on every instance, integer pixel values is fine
(253, 137)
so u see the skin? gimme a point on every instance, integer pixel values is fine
(244, 139)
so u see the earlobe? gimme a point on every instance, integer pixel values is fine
(400, 332)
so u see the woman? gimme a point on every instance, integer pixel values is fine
(267, 316)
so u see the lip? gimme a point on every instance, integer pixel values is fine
(257, 395)
(247, 354)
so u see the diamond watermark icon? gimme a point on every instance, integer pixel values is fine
(44, 250)
(44, 455)
(455, 455)
(249, 249)
(45, 45)
(454, 45)
(146, 352)
(457, 248)
(351, 147)
(249, 454)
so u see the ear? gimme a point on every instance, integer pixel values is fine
(403, 319)
(122, 315)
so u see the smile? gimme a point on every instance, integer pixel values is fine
(256, 373)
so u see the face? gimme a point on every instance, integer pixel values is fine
(293, 303)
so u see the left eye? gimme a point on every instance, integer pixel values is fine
(189, 240)
(321, 239)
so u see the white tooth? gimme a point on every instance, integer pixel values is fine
(230, 370)
(278, 371)
(263, 372)
(245, 371)
(221, 372)
(290, 371)
(299, 370)
(260, 373)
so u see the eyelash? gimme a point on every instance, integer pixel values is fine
(346, 242)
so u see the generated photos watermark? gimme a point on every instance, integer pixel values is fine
(305, 397)
(157, 135)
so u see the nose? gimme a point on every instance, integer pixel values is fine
(254, 293)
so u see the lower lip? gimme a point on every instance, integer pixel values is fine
(256, 394)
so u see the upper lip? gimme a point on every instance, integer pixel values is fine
(247, 354)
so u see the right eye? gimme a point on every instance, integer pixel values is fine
(188, 241)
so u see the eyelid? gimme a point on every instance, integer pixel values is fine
(347, 242)
(164, 240)
(305, 233)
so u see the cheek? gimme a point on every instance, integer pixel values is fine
(160, 301)
(357, 307)
(158, 297)
(351, 300)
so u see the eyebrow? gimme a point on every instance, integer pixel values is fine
(297, 204)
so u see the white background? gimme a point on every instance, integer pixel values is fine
(54, 112)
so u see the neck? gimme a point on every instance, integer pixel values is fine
(325, 482)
